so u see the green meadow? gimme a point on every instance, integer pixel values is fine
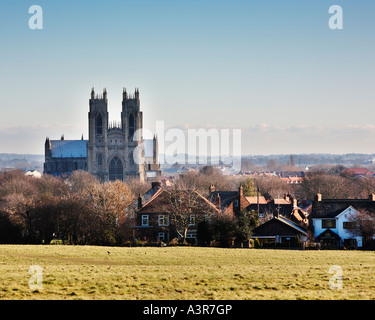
(103, 273)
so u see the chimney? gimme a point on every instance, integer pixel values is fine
(294, 202)
(241, 190)
(372, 197)
(318, 197)
(139, 201)
(212, 188)
(218, 201)
(286, 197)
(276, 213)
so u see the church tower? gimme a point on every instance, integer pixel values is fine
(132, 122)
(97, 148)
(111, 147)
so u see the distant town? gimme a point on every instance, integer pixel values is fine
(251, 164)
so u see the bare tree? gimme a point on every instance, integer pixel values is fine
(111, 202)
(330, 186)
(363, 225)
(273, 186)
(186, 207)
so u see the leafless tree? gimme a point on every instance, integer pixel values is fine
(330, 186)
(185, 206)
(363, 225)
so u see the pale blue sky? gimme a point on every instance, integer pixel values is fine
(272, 68)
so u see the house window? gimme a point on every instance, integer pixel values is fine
(236, 203)
(163, 220)
(349, 225)
(191, 235)
(329, 223)
(161, 236)
(144, 220)
(192, 220)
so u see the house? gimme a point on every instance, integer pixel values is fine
(332, 219)
(34, 173)
(280, 232)
(228, 202)
(153, 216)
(358, 172)
(260, 200)
(232, 202)
(292, 180)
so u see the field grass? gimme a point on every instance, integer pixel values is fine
(89, 272)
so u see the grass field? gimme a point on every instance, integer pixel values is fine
(89, 272)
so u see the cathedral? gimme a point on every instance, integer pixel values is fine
(114, 151)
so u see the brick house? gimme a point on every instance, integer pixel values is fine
(232, 202)
(154, 221)
(280, 232)
(228, 202)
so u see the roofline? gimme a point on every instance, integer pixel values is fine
(162, 189)
(290, 224)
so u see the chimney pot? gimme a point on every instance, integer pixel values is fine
(139, 201)
(318, 197)
(218, 201)
(294, 202)
(241, 190)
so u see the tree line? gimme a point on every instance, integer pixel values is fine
(82, 210)
(77, 210)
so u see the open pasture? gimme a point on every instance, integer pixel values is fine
(102, 273)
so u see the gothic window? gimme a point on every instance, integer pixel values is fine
(131, 158)
(99, 124)
(115, 169)
(99, 161)
(131, 126)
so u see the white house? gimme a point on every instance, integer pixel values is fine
(334, 229)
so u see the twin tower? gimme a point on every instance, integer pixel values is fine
(113, 151)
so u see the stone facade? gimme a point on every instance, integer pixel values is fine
(111, 149)
(114, 150)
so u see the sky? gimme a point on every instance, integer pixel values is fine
(273, 69)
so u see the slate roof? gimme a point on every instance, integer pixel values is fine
(278, 226)
(69, 148)
(226, 197)
(291, 224)
(330, 208)
(158, 199)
